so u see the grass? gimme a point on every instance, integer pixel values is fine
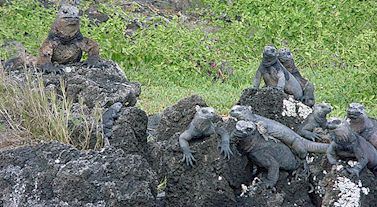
(29, 109)
(334, 43)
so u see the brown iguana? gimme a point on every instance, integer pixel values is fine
(362, 124)
(65, 43)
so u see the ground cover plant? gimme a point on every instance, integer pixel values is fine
(334, 43)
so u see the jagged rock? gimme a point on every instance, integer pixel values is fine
(276, 105)
(129, 130)
(96, 16)
(153, 122)
(177, 117)
(55, 174)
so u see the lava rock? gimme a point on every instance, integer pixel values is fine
(54, 174)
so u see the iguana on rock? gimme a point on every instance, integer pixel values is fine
(19, 56)
(317, 119)
(362, 124)
(108, 119)
(202, 126)
(286, 58)
(346, 141)
(264, 153)
(279, 131)
(276, 75)
(65, 43)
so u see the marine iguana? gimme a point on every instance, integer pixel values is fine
(108, 118)
(265, 154)
(317, 119)
(286, 58)
(362, 124)
(19, 56)
(276, 75)
(202, 126)
(346, 141)
(65, 43)
(279, 131)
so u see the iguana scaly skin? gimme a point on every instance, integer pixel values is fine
(362, 124)
(65, 43)
(317, 119)
(274, 74)
(286, 58)
(346, 141)
(279, 131)
(202, 126)
(265, 153)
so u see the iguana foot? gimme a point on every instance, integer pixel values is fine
(353, 171)
(49, 68)
(226, 151)
(92, 62)
(188, 158)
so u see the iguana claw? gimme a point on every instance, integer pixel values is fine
(188, 158)
(226, 151)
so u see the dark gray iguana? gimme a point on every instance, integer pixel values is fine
(286, 58)
(279, 131)
(362, 124)
(265, 153)
(108, 119)
(346, 142)
(317, 119)
(276, 75)
(202, 126)
(65, 43)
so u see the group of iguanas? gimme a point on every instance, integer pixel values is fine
(267, 143)
(271, 145)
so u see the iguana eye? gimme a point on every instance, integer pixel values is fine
(65, 11)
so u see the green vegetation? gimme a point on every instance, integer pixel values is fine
(334, 43)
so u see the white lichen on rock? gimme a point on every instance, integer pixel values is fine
(349, 195)
(295, 108)
(350, 192)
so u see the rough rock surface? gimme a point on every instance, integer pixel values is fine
(276, 105)
(55, 174)
(130, 131)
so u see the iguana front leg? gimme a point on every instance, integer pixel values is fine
(91, 47)
(225, 140)
(257, 79)
(187, 153)
(308, 134)
(44, 59)
(362, 160)
(281, 80)
(331, 154)
(272, 167)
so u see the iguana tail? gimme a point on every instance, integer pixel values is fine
(315, 146)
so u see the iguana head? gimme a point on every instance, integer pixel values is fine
(244, 129)
(241, 112)
(322, 109)
(356, 111)
(285, 55)
(67, 22)
(269, 52)
(205, 112)
(340, 130)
